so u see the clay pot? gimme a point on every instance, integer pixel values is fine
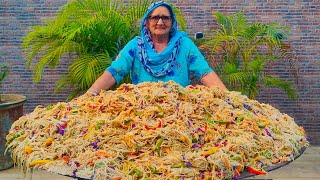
(11, 109)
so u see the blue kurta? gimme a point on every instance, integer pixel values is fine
(189, 59)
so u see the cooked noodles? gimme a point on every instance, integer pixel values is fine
(155, 131)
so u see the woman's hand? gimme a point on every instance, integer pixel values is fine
(212, 79)
(104, 82)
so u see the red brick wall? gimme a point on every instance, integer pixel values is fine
(303, 16)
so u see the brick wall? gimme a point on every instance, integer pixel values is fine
(303, 16)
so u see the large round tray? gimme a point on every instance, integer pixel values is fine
(246, 174)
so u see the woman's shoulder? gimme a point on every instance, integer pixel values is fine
(132, 44)
(134, 40)
(186, 40)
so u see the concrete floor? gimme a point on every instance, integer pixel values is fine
(306, 167)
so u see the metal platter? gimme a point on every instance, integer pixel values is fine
(246, 174)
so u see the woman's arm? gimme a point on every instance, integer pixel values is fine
(199, 65)
(105, 81)
(212, 79)
(116, 71)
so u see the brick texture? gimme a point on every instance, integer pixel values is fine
(302, 16)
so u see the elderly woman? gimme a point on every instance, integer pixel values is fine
(160, 53)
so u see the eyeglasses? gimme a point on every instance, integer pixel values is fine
(155, 19)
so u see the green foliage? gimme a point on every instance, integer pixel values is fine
(243, 49)
(4, 69)
(91, 32)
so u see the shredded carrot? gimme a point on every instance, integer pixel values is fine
(116, 178)
(66, 158)
(226, 161)
(104, 153)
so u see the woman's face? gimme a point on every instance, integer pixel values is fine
(160, 21)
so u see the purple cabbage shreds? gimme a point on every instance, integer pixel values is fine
(189, 123)
(133, 125)
(268, 133)
(202, 176)
(235, 177)
(32, 133)
(74, 172)
(231, 122)
(188, 164)
(94, 145)
(112, 167)
(231, 114)
(200, 130)
(216, 144)
(225, 142)
(247, 106)
(196, 145)
(61, 129)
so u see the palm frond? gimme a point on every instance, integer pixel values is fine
(4, 69)
(87, 68)
(180, 18)
(137, 9)
(223, 21)
(257, 64)
(236, 79)
(238, 22)
(286, 86)
(274, 32)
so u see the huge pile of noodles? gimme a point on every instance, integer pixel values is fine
(155, 131)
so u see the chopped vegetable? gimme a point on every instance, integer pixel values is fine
(66, 158)
(222, 121)
(36, 162)
(116, 178)
(49, 141)
(94, 145)
(104, 153)
(154, 128)
(256, 171)
(179, 165)
(158, 146)
(209, 152)
(28, 150)
(99, 124)
(136, 172)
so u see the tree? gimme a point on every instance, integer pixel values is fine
(243, 49)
